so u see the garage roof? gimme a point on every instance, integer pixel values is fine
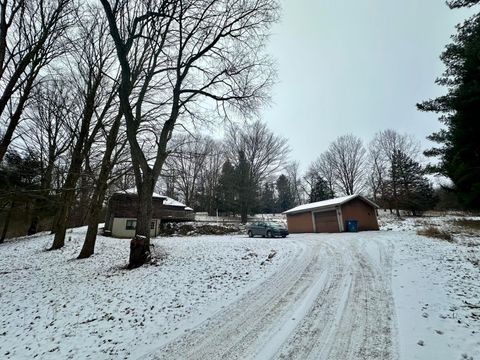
(331, 203)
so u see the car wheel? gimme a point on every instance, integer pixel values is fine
(250, 234)
(269, 234)
(284, 236)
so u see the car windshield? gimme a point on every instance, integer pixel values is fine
(274, 224)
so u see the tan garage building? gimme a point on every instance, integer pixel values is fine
(332, 215)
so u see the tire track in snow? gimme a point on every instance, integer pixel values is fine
(331, 301)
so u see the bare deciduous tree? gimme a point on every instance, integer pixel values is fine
(293, 175)
(49, 125)
(210, 179)
(322, 167)
(377, 171)
(176, 58)
(266, 152)
(341, 166)
(109, 160)
(188, 157)
(90, 62)
(383, 147)
(31, 34)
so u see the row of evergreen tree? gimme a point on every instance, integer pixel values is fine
(239, 194)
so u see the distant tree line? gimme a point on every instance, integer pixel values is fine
(247, 172)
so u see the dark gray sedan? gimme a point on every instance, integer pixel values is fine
(266, 229)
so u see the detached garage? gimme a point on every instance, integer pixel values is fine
(332, 215)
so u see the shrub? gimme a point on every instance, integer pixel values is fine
(473, 225)
(434, 232)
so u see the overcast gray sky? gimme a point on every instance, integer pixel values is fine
(358, 67)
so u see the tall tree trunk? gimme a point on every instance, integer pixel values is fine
(243, 212)
(68, 194)
(140, 244)
(66, 201)
(7, 222)
(80, 151)
(83, 201)
(93, 215)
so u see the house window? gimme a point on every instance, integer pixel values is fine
(131, 225)
(152, 225)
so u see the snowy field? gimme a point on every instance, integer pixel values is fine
(390, 294)
(436, 288)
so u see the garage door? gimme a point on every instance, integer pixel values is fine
(326, 221)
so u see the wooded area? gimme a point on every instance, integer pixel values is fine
(96, 98)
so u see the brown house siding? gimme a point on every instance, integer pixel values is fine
(124, 206)
(364, 213)
(300, 223)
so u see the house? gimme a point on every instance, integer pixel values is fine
(121, 217)
(332, 215)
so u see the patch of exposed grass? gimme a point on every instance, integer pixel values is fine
(435, 232)
(471, 225)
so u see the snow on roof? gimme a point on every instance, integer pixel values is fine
(172, 202)
(133, 191)
(166, 200)
(327, 203)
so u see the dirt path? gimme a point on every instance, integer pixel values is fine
(332, 300)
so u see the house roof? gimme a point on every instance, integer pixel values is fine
(330, 203)
(133, 191)
(172, 202)
(166, 200)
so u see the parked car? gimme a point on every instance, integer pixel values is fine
(266, 229)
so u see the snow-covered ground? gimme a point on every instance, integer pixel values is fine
(373, 295)
(436, 288)
(56, 307)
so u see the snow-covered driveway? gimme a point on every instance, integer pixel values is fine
(369, 295)
(331, 300)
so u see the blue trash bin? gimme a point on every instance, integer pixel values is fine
(352, 225)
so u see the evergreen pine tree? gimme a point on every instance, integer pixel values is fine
(320, 190)
(459, 149)
(267, 199)
(20, 184)
(414, 192)
(227, 189)
(285, 197)
(245, 186)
